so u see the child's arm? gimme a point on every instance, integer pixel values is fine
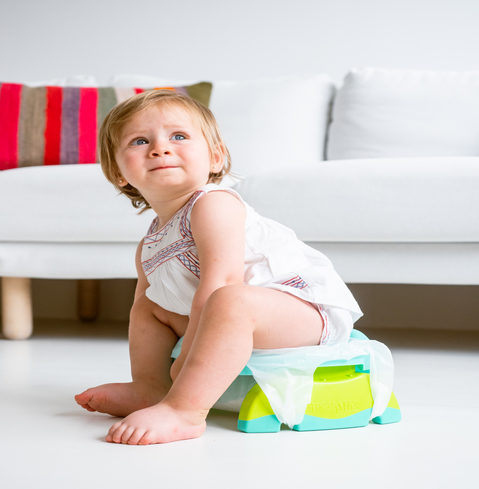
(218, 228)
(142, 283)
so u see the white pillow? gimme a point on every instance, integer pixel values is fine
(267, 124)
(395, 113)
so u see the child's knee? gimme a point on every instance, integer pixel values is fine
(230, 299)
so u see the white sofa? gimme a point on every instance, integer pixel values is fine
(381, 174)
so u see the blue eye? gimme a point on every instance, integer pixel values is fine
(178, 137)
(139, 141)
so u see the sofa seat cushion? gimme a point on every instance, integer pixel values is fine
(362, 200)
(66, 203)
(374, 200)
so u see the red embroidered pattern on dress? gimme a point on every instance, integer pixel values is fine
(296, 282)
(180, 248)
(191, 262)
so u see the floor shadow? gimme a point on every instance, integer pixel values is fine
(223, 419)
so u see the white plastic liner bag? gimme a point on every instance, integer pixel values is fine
(286, 375)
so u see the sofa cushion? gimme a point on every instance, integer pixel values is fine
(374, 200)
(267, 124)
(370, 200)
(66, 203)
(55, 125)
(392, 113)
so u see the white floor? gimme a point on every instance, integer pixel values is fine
(47, 441)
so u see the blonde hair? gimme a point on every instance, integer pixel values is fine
(115, 121)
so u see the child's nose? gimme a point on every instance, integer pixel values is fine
(159, 153)
(160, 148)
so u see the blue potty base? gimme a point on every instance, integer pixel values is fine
(313, 423)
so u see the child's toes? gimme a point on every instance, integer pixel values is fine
(84, 399)
(79, 400)
(87, 407)
(115, 432)
(145, 439)
(136, 437)
(127, 434)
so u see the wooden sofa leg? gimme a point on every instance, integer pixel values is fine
(88, 298)
(17, 308)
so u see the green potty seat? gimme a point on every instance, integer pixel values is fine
(341, 398)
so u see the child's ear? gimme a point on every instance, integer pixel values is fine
(218, 159)
(121, 181)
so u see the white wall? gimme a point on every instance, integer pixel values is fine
(221, 39)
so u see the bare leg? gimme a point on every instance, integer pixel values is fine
(234, 320)
(151, 340)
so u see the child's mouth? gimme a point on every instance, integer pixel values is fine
(162, 168)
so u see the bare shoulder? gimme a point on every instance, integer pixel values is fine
(218, 228)
(218, 205)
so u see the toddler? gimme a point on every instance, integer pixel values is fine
(209, 269)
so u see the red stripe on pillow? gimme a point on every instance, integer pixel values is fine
(53, 126)
(87, 132)
(10, 98)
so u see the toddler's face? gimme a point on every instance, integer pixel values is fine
(163, 147)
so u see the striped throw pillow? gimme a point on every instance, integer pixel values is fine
(59, 125)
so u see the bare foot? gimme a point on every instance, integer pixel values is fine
(157, 424)
(120, 399)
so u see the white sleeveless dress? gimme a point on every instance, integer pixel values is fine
(274, 258)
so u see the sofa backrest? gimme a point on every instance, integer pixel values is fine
(268, 124)
(393, 113)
